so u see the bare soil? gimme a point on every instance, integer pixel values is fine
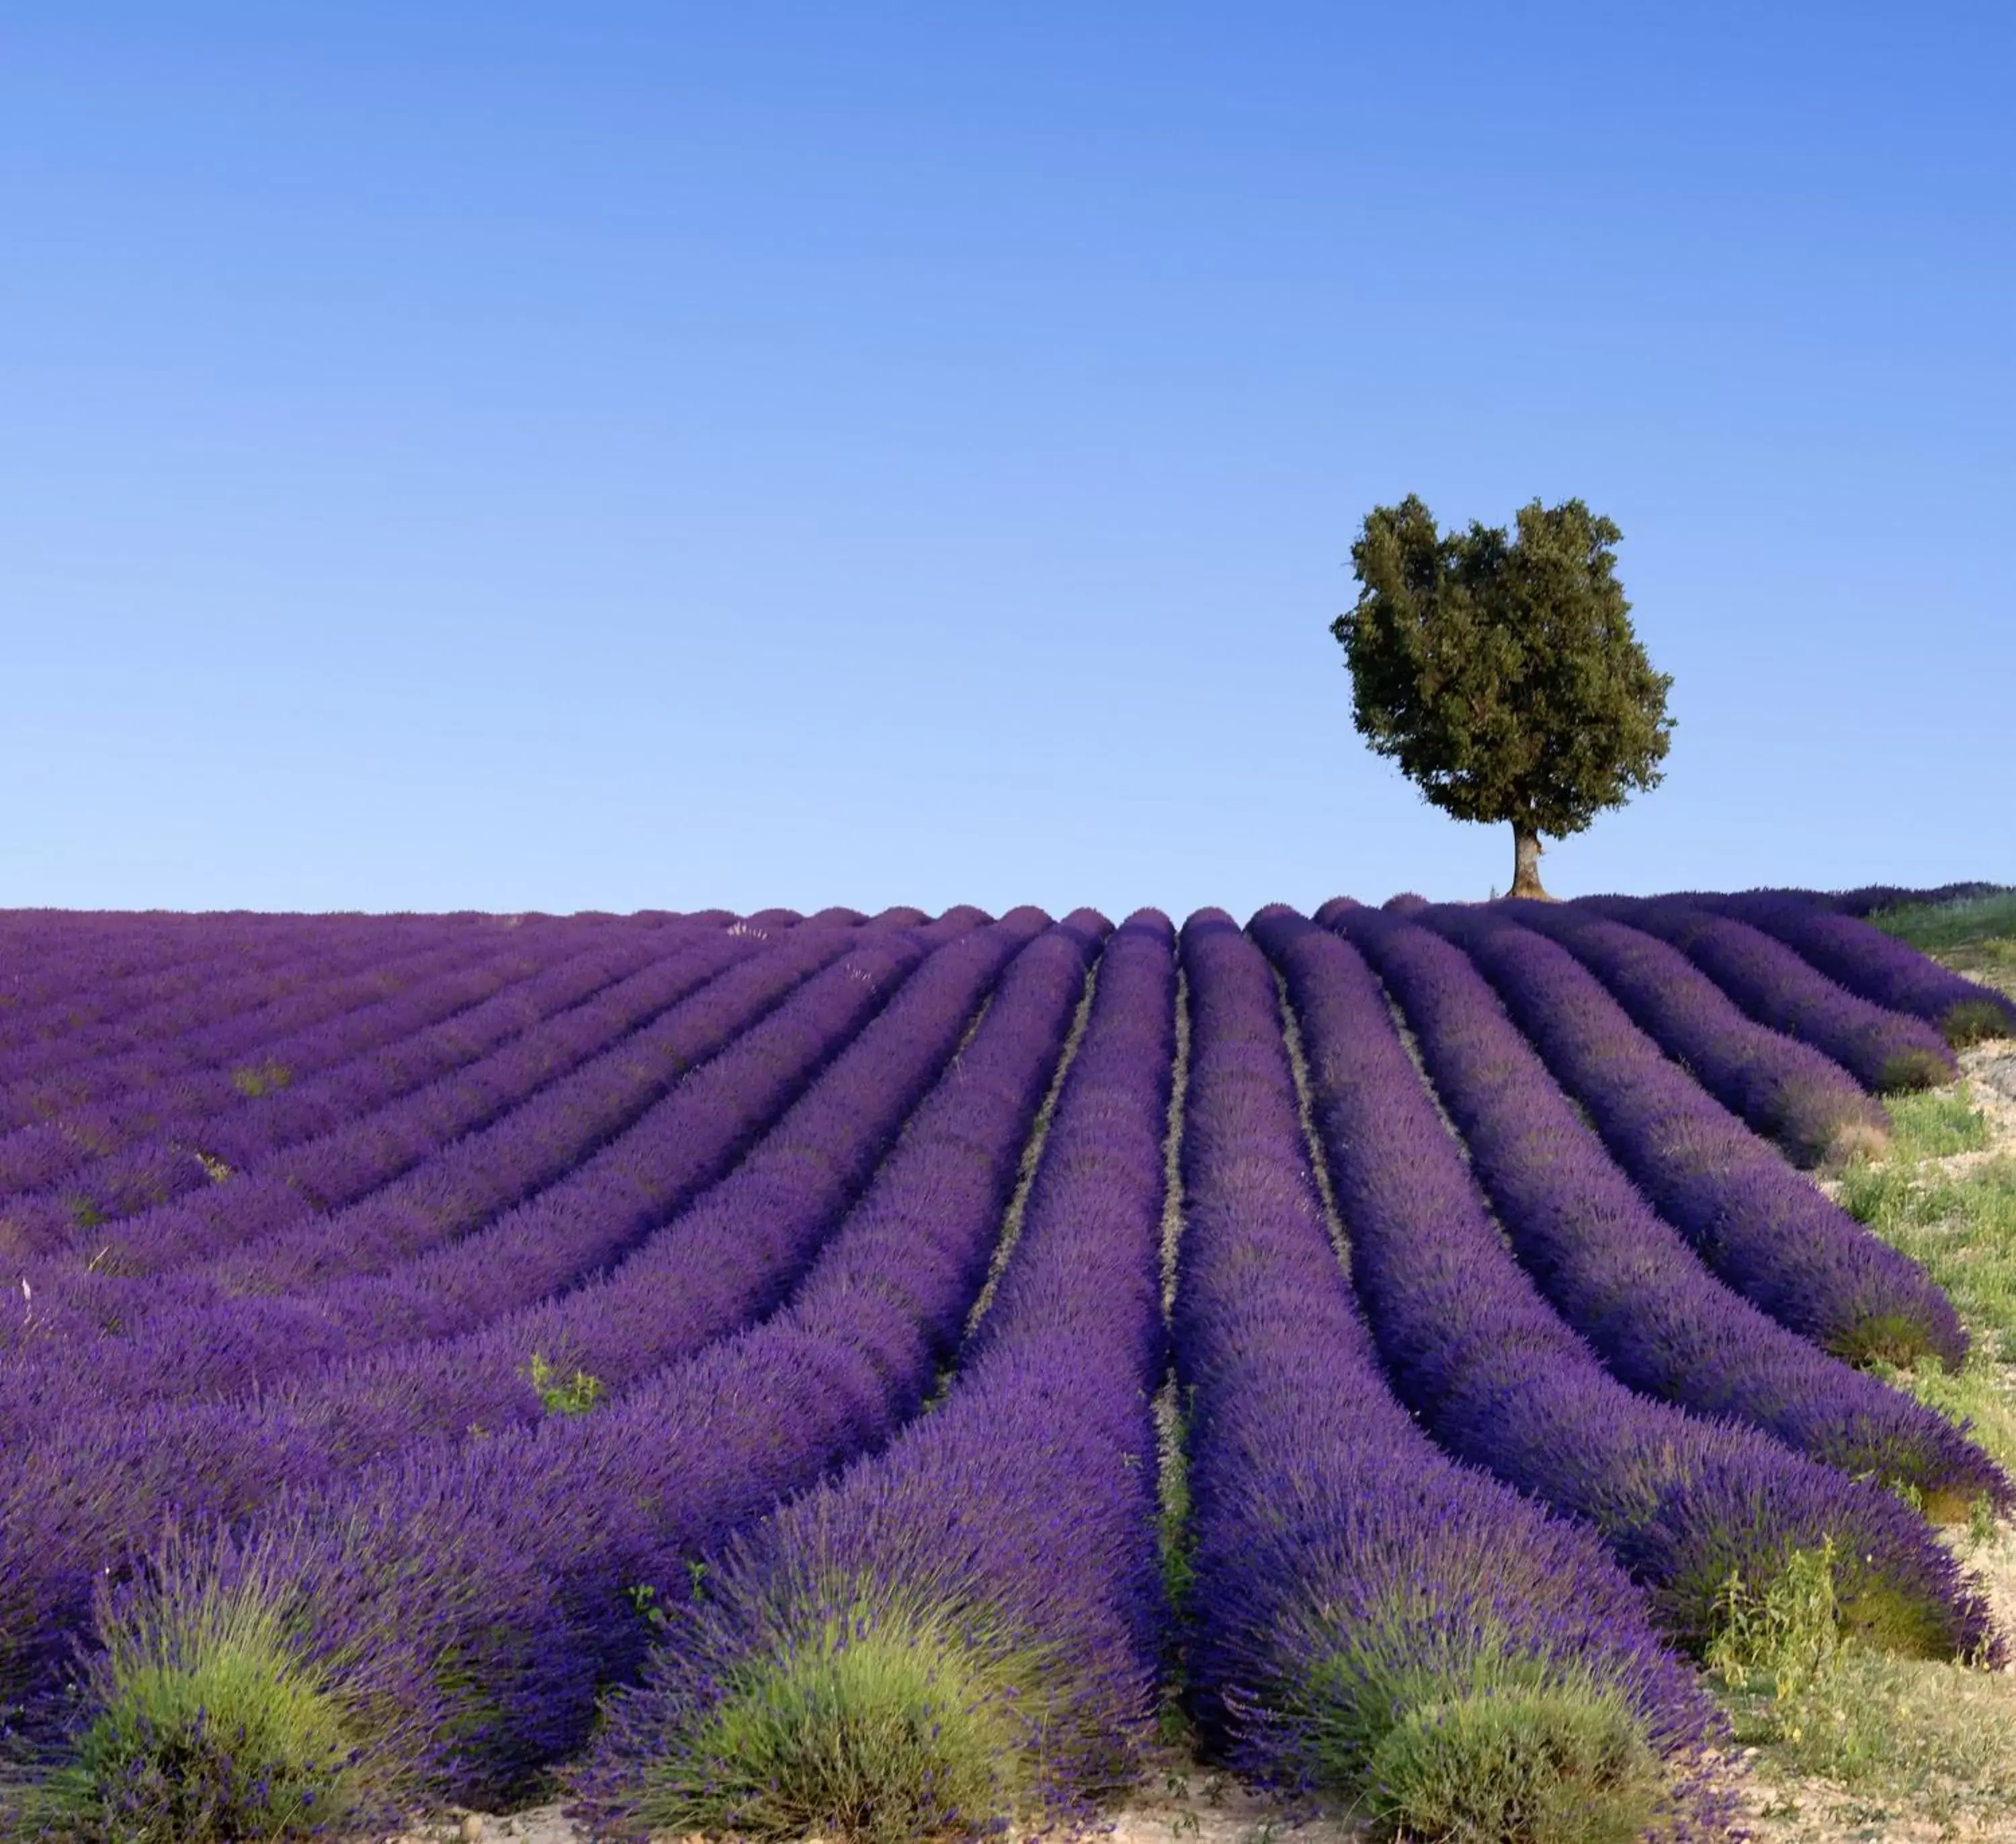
(1179, 1803)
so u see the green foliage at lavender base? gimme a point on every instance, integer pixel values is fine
(208, 1728)
(1973, 1021)
(1532, 1767)
(880, 1726)
(1438, 1731)
(1911, 1070)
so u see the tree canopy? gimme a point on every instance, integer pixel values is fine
(1500, 669)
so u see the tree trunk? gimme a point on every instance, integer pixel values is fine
(1526, 863)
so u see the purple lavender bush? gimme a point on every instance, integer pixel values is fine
(1498, 1379)
(1786, 1090)
(1623, 1277)
(460, 1604)
(365, 1153)
(1883, 1051)
(1367, 1617)
(195, 1311)
(386, 1274)
(1878, 967)
(167, 1137)
(214, 1024)
(962, 1631)
(1764, 1230)
(90, 1480)
(354, 1063)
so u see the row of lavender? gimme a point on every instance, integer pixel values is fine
(369, 1579)
(110, 1429)
(712, 1267)
(1341, 1627)
(1357, 1614)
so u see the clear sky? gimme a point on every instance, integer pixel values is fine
(506, 456)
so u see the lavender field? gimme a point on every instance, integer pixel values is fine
(885, 1376)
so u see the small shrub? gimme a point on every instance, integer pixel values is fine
(1463, 1732)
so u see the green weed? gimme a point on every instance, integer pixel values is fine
(254, 1079)
(1786, 1632)
(564, 1396)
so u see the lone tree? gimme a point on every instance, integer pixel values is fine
(1502, 671)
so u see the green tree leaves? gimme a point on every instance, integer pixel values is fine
(1500, 669)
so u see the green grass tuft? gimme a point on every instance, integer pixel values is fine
(1934, 1125)
(1526, 1768)
(1961, 1229)
(1938, 927)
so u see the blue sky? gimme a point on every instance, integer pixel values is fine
(658, 455)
